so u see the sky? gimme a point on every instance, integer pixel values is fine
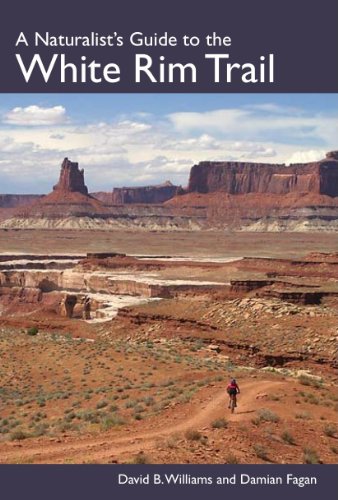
(143, 139)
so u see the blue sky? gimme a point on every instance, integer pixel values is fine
(140, 139)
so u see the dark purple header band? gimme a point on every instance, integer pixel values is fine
(186, 46)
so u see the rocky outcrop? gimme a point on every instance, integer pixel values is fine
(69, 198)
(245, 178)
(146, 194)
(67, 305)
(17, 200)
(71, 178)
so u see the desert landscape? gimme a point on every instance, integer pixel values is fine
(125, 313)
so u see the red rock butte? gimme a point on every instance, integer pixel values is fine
(71, 178)
(319, 177)
(144, 194)
(69, 198)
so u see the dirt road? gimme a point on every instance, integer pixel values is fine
(109, 445)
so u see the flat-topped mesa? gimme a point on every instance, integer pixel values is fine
(146, 194)
(243, 178)
(71, 178)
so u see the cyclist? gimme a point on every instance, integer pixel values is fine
(233, 390)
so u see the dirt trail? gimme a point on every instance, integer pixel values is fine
(110, 446)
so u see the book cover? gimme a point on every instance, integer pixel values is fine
(168, 249)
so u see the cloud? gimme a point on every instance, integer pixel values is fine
(9, 146)
(204, 141)
(36, 116)
(250, 150)
(306, 156)
(58, 137)
(271, 107)
(253, 125)
(216, 120)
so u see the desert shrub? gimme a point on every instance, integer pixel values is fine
(101, 404)
(131, 403)
(18, 435)
(89, 416)
(231, 459)
(312, 399)
(220, 423)
(111, 421)
(40, 430)
(149, 401)
(193, 435)
(70, 416)
(304, 415)
(67, 426)
(260, 451)
(310, 456)
(309, 381)
(288, 437)
(330, 430)
(141, 458)
(32, 331)
(172, 441)
(334, 449)
(265, 415)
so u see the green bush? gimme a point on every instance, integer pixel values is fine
(32, 331)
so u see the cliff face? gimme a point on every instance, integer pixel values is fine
(147, 194)
(17, 200)
(244, 178)
(71, 178)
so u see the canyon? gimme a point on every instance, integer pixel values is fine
(119, 357)
(124, 313)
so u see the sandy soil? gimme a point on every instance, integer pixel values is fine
(205, 244)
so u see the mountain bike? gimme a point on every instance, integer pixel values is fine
(232, 402)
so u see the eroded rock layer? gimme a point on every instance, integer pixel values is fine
(244, 178)
(146, 194)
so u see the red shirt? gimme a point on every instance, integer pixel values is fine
(233, 386)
